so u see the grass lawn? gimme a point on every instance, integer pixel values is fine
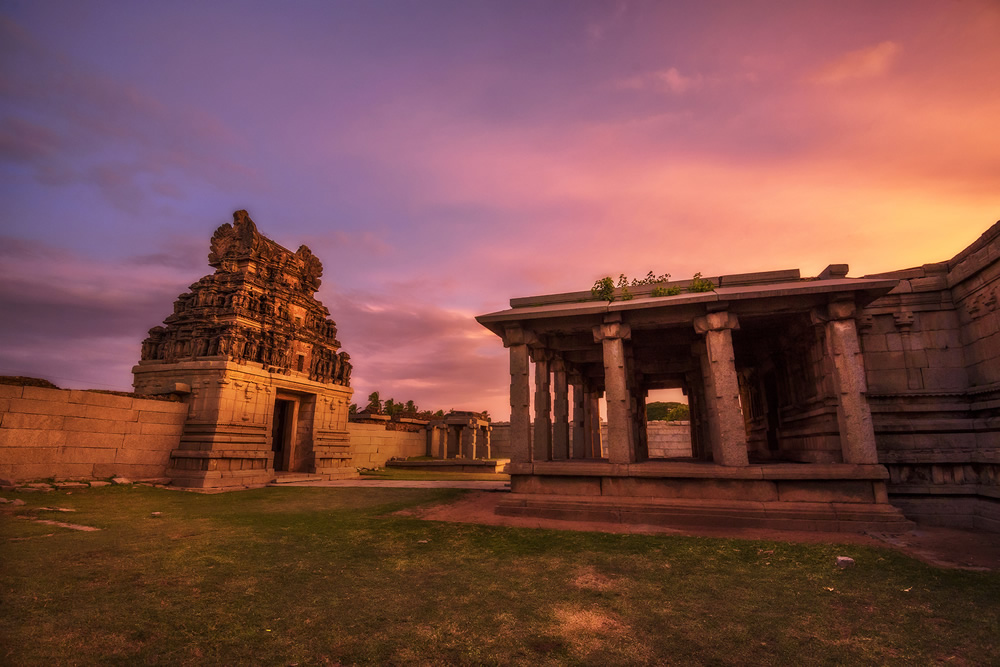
(280, 576)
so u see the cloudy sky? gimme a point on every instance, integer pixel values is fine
(443, 157)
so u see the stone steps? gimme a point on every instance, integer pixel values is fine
(294, 477)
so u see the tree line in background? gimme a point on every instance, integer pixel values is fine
(667, 411)
(392, 408)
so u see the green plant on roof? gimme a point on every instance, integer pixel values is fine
(699, 284)
(604, 288)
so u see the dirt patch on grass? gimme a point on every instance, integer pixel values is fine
(588, 578)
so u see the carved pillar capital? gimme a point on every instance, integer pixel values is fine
(612, 331)
(834, 311)
(518, 335)
(716, 322)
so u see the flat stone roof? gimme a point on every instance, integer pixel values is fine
(772, 286)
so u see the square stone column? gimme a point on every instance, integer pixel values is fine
(579, 442)
(560, 411)
(437, 441)
(612, 335)
(722, 398)
(486, 445)
(592, 430)
(467, 435)
(854, 417)
(543, 405)
(520, 395)
(696, 419)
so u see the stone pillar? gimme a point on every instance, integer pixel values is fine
(612, 335)
(543, 406)
(436, 447)
(695, 389)
(641, 434)
(722, 398)
(579, 439)
(560, 411)
(454, 446)
(591, 425)
(520, 396)
(854, 417)
(467, 436)
(486, 449)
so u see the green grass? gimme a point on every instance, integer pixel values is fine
(326, 576)
(430, 475)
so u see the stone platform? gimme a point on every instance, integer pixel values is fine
(820, 497)
(484, 466)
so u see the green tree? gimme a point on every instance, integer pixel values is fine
(666, 411)
(374, 404)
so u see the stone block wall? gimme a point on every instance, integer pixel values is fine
(372, 445)
(932, 355)
(666, 439)
(66, 434)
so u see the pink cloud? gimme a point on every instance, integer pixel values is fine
(669, 80)
(866, 63)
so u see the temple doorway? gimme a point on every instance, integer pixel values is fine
(283, 433)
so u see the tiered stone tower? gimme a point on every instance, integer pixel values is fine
(257, 358)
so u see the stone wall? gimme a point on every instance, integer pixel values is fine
(932, 355)
(70, 434)
(372, 445)
(66, 434)
(666, 439)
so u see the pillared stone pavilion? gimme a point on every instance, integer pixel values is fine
(756, 346)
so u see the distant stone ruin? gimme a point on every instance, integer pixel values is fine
(257, 356)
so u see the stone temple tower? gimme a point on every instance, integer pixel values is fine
(256, 357)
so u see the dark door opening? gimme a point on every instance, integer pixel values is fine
(281, 430)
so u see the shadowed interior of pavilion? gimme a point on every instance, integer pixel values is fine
(781, 431)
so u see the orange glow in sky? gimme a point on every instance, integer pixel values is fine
(443, 157)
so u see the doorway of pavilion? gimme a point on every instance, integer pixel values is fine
(668, 424)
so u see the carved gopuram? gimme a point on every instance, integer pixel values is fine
(257, 359)
(782, 433)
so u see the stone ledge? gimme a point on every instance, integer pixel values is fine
(775, 471)
(815, 516)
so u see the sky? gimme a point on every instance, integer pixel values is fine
(443, 157)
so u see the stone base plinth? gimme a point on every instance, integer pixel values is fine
(821, 497)
(491, 466)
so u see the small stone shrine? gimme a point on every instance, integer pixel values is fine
(459, 435)
(257, 358)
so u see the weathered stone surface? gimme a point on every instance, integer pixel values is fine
(256, 359)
